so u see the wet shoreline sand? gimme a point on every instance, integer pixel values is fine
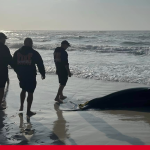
(52, 126)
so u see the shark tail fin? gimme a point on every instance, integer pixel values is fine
(81, 106)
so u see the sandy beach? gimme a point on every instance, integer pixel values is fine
(105, 44)
(52, 126)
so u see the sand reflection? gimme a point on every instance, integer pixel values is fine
(4, 104)
(60, 125)
(26, 128)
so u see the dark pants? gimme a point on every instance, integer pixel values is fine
(3, 80)
(63, 78)
(28, 84)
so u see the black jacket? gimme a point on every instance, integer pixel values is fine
(5, 60)
(24, 61)
(61, 59)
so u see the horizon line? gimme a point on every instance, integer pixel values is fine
(68, 30)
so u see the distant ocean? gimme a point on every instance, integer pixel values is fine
(120, 56)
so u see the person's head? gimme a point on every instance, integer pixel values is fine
(65, 44)
(3, 38)
(28, 42)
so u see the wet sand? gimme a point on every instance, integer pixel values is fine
(52, 126)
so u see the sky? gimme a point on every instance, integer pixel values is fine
(74, 14)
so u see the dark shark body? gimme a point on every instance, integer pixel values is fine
(129, 98)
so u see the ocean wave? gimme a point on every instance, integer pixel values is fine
(114, 49)
(129, 74)
(15, 45)
(93, 48)
(135, 43)
(143, 37)
(35, 46)
(76, 37)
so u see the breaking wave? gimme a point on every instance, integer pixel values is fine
(135, 43)
(93, 48)
(129, 74)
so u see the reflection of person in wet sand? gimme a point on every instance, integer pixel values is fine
(5, 95)
(26, 128)
(3, 139)
(60, 127)
(2, 114)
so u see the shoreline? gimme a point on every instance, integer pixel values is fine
(52, 126)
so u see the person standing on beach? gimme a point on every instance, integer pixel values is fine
(62, 68)
(24, 61)
(5, 60)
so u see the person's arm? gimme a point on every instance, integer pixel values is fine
(68, 70)
(9, 57)
(14, 61)
(40, 65)
(55, 60)
(66, 63)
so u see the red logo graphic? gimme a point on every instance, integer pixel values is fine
(24, 59)
(57, 57)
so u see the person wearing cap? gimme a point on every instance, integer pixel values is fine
(5, 60)
(62, 68)
(25, 60)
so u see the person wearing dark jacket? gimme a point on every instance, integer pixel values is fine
(5, 60)
(62, 68)
(25, 60)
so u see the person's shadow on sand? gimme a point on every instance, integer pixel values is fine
(108, 130)
(2, 137)
(60, 127)
(4, 104)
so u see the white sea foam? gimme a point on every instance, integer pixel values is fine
(120, 56)
(130, 74)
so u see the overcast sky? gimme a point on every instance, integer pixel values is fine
(74, 14)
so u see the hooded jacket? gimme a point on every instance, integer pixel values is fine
(25, 60)
(5, 59)
(61, 60)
